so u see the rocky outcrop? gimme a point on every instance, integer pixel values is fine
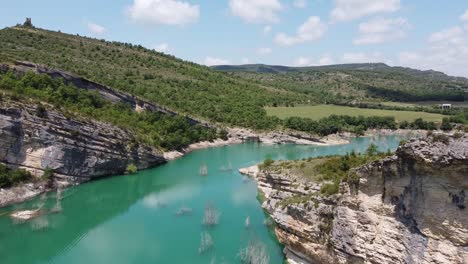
(408, 208)
(108, 93)
(285, 137)
(76, 149)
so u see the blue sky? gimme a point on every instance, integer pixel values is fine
(424, 34)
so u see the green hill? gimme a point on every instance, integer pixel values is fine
(179, 85)
(238, 97)
(349, 82)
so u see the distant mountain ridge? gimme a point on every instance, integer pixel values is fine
(377, 67)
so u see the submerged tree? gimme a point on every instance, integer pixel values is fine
(206, 243)
(211, 216)
(254, 253)
(203, 170)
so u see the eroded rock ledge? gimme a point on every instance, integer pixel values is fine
(77, 150)
(408, 208)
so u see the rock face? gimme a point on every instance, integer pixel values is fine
(76, 149)
(408, 208)
(289, 137)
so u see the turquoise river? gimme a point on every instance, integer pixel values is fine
(133, 219)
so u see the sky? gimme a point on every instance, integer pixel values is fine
(422, 34)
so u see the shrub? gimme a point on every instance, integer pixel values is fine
(131, 169)
(330, 188)
(404, 124)
(48, 173)
(441, 138)
(223, 134)
(359, 130)
(10, 177)
(353, 178)
(41, 111)
(372, 150)
(446, 125)
(267, 163)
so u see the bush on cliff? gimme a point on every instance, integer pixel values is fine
(131, 169)
(10, 177)
(266, 163)
(446, 125)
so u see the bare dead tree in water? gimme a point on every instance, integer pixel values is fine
(206, 243)
(254, 253)
(211, 216)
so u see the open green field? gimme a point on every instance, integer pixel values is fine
(317, 112)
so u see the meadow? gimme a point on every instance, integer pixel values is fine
(317, 112)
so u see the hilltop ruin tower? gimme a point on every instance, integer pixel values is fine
(28, 22)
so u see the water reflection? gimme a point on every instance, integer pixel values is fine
(135, 219)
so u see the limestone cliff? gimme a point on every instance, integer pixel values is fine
(408, 208)
(76, 149)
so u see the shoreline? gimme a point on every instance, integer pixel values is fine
(243, 135)
(297, 225)
(27, 191)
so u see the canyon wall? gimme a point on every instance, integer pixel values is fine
(75, 148)
(408, 208)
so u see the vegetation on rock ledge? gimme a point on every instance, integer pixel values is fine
(154, 129)
(10, 177)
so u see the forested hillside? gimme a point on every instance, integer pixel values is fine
(155, 129)
(235, 98)
(179, 85)
(348, 82)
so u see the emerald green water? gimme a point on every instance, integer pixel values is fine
(131, 219)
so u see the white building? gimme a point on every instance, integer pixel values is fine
(446, 106)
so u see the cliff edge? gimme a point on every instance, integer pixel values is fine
(76, 149)
(406, 208)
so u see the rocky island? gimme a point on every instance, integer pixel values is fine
(406, 208)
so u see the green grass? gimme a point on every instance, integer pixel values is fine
(320, 111)
(398, 104)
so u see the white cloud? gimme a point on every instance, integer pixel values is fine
(168, 12)
(452, 34)
(346, 10)
(300, 3)
(464, 17)
(408, 56)
(380, 30)
(211, 61)
(96, 29)
(311, 30)
(163, 47)
(302, 61)
(245, 61)
(326, 60)
(264, 51)
(266, 30)
(256, 11)
(447, 51)
(361, 57)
